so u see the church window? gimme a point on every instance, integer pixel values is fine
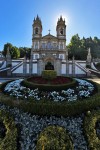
(54, 45)
(36, 56)
(43, 45)
(61, 46)
(61, 31)
(36, 30)
(49, 45)
(36, 46)
(61, 56)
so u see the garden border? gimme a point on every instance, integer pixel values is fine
(9, 142)
(44, 107)
(89, 127)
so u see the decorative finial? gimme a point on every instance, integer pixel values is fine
(49, 31)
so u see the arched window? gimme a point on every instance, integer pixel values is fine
(36, 30)
(36, 56)
(61, 46)
(43, 45)
(61, 31)
(61, 56)
(36, 46)
(49, 45)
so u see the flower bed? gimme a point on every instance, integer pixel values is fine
(57, 80)
(84, 89)
(42, 84)
(32, 127)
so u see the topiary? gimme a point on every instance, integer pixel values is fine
(90, 130)
(55, 138)
(49, 74)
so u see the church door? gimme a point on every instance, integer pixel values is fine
(49, 66)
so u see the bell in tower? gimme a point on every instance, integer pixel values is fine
(61, 28)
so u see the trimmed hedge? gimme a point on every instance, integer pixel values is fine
(9, 142)
(45, 107)
(90, 131)
(55, 138)
(49, 74)
(47, 87)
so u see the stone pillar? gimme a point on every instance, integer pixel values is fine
(73, 67)
(8, 62)
(67, 67)
(58, 67)
(89, 58)
(67, 64)
(40, 66)
(31, 64)
(24, 66)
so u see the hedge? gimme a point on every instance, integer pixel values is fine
(49, 74)
(90, 131)
(55, 138)
(47, 87)
(9, 142)
(45, 107)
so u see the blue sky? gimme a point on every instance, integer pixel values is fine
(16, 18)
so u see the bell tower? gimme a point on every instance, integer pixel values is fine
(61, 28)
(37, 27)
(37, 33)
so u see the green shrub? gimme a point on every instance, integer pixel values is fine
(55, 138)
(9, 142)
(49, 87)
(90, 131)
(45, 107)
(49, 74)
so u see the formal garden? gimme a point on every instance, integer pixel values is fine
(50, 112)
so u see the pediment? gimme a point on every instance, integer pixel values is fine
(49, 36)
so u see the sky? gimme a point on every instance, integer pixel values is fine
(16, 19)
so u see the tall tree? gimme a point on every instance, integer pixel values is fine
(76, 47)
(14, 51)
(6, 47)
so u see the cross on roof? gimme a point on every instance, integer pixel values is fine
(49, 31)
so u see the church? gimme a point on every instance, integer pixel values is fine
(48, 52)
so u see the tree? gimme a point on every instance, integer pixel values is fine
(76, 48)
(25, 51)
(22, 52)
(15, 53)
(6, 47)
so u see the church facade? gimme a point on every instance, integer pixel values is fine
(48, 52)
